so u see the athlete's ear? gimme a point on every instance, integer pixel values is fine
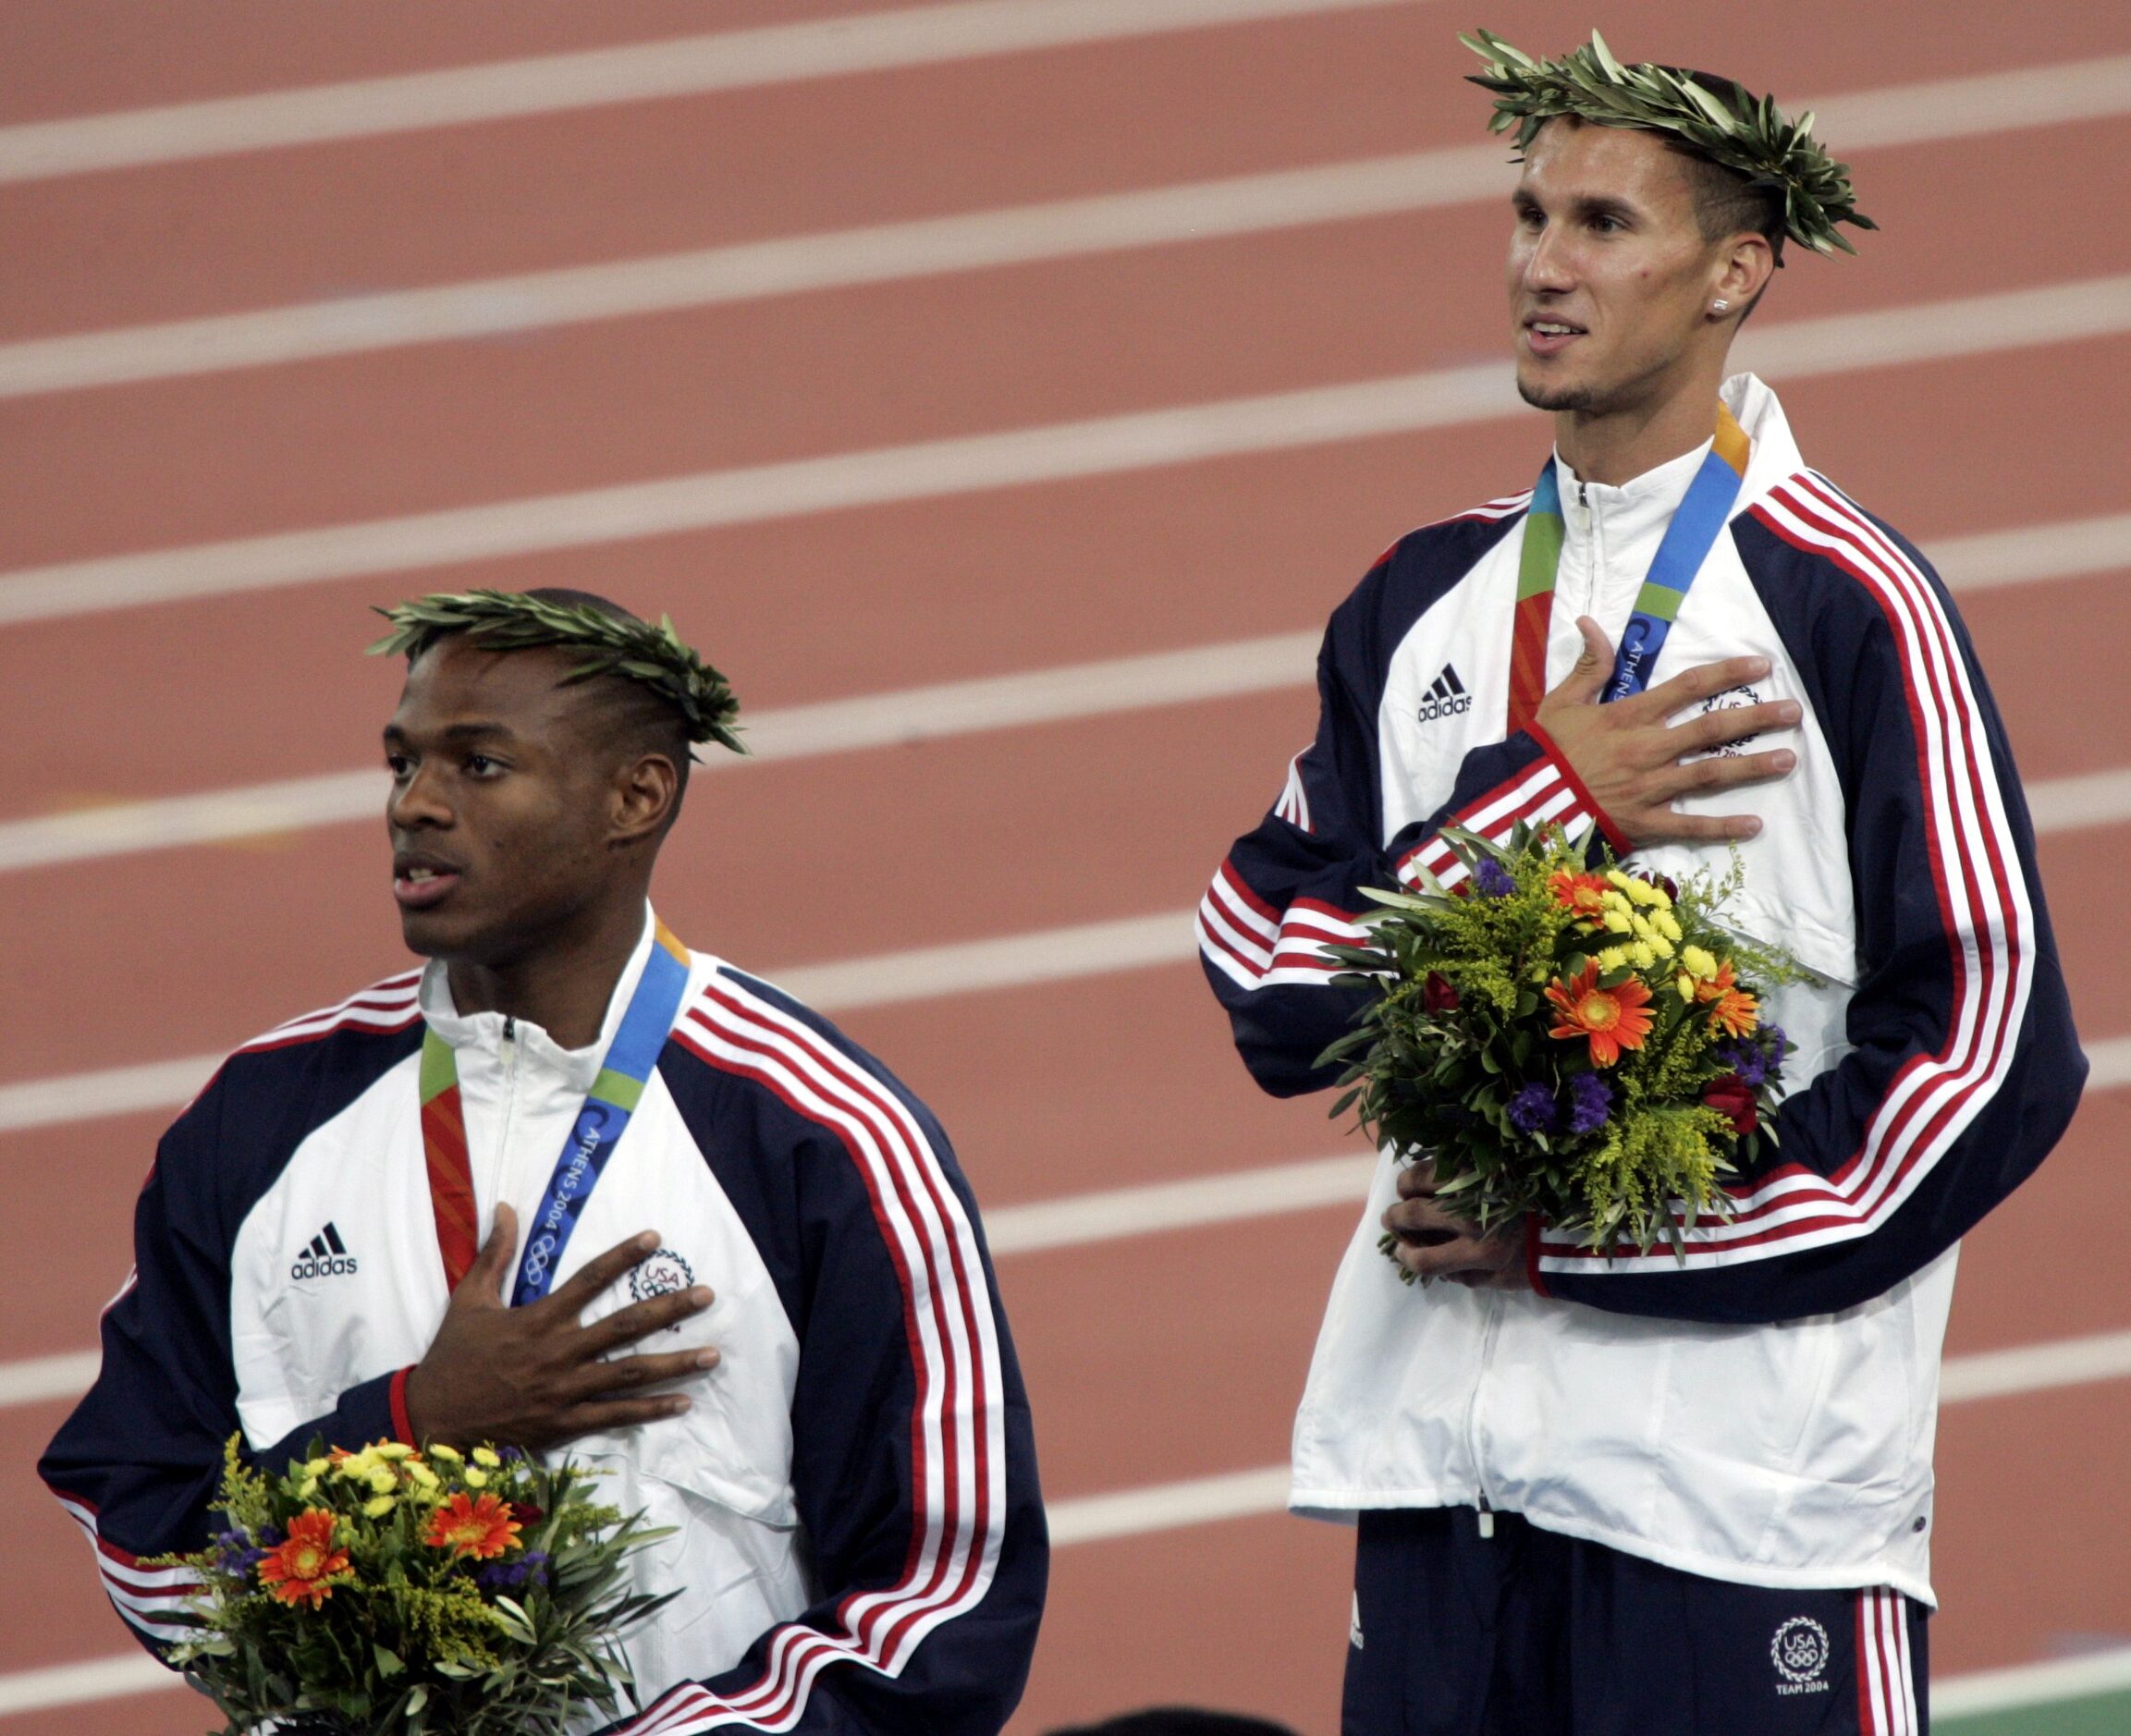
(641, 798)
(1744, 265)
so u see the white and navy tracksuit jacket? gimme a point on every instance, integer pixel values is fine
(861, 1544)
(1762, 1412)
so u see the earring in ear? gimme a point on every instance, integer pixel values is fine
(1719, 307)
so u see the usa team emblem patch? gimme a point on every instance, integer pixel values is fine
(1800, 1652)
(659, 1273)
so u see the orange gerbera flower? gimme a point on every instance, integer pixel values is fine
(482, 1528)
(1736, 1013)
(1614, 1019)
(301, 1569)
(1584, 895)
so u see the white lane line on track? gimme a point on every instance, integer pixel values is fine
(1054, 955)
(1103, 445)
(872, 720)
(2023, 1685)
(633, 72)
(884, 979)
(112, 1678)
(990, 703)
(1249, 204)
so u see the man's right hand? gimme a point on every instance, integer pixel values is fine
(1629, 758)
(533, 1376)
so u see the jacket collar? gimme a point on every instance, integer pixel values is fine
(1656, 494)
(483, 1032)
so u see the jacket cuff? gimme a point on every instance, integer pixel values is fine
(1533, 1223)
(1623, 843)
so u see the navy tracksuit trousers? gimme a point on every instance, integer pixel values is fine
(1527, 1633)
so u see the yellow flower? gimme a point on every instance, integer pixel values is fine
(1699, 963)
(316, 1467)
(1660, 945)
(1686, 984)
(1617, 878)
(356, 1467)
(1620, 922)
(1668, 924)
(1644, 955)
(484, 1456)
(1612, 958)
(1613, 900)
(306, 1489)
(382, 1481)
(392, 1449)
(476, 1478)
(450, 1455)
(378, 1506)
(423, 1475)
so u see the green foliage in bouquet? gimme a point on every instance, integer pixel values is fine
(421, 1593)
(1587, 1046)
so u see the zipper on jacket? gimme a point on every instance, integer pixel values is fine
(506, 1053)
(1487, 1338)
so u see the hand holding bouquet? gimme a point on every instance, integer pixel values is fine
(391, 1590)
(1587, 1046)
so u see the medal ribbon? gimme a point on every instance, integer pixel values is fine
(1693, 532)
(599, 1125)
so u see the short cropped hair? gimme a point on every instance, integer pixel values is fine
(632, 719)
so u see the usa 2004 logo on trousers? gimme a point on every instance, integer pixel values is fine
(1800, 1652)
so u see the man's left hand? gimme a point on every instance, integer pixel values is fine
(1432, 1243)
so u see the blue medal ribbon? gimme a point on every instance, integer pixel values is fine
(605, 1115)
(1696, 526)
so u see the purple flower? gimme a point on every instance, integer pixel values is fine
(1744, 1058)
(1590, 1103)
(1533, 1110)
(1493, 880)
(237, 1555)
(1755, 1058)
(509, 1576)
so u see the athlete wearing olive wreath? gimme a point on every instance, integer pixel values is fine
(752, 1286)
(1664, 1494)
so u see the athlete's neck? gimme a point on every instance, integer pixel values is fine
(1625, 440)
(564, 983)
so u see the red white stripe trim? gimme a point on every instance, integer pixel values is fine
(1985, 909)
(1538, 793)
(958, 1443)
(1502, 506)
(1295, 803)
(1886, 1667)
(383, 1007)
(1256, 946)
(391, 1004)
(148, 1597)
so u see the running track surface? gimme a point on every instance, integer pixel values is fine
(1149, 1359)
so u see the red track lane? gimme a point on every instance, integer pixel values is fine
(865, 600)
(435, 427)
(210, 235)
(70, 57)
(562, 189)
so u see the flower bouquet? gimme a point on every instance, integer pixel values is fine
(391, 1590)
(1586, 1046)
